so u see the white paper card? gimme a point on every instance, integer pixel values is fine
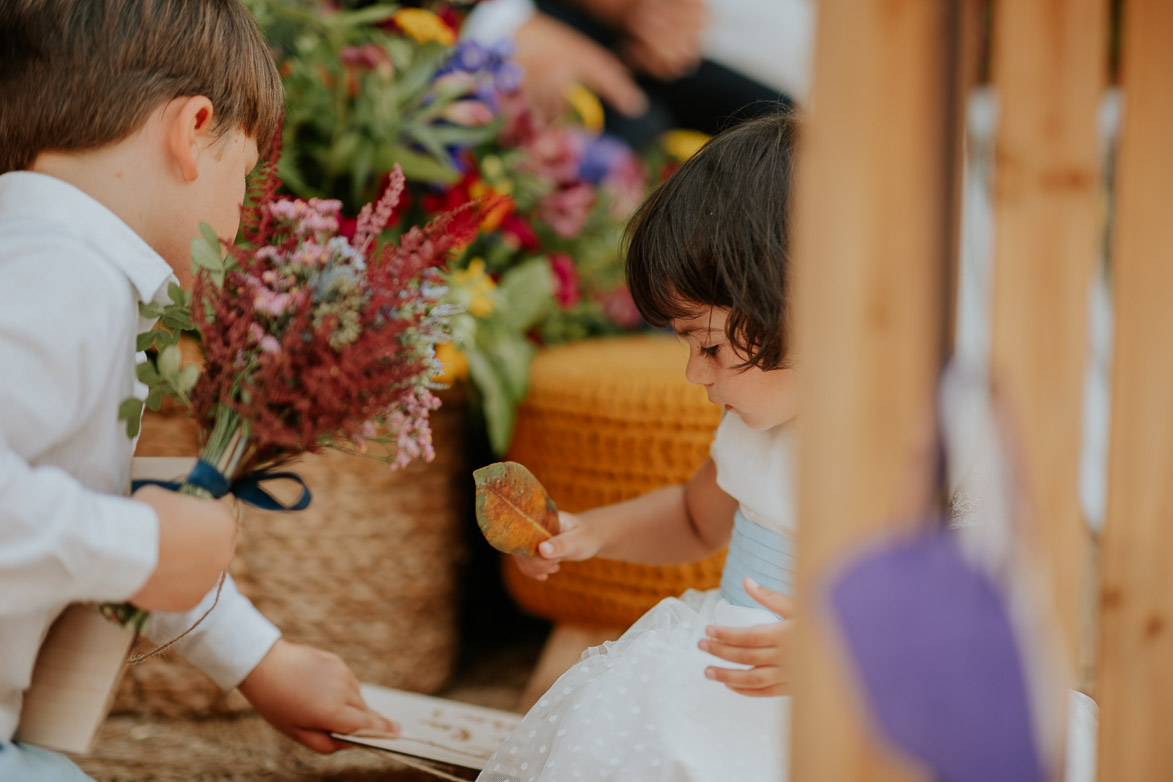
(437, 729)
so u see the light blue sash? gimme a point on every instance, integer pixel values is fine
(765, 556)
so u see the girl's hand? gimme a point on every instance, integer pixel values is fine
(575, 541)
(767, 648)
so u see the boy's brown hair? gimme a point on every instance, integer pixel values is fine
(77, 75)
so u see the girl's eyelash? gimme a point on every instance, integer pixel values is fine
(710, 351)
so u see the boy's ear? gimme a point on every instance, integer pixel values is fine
(189, 133)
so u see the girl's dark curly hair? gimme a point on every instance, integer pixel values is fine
(715, 234)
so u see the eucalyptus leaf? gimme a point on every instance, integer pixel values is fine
(150, 310)
(188, 377)
(146, 340)
(147, 373)
(178, 294)
(155, 399)
(177, 320)
(170, 361)
(131, 411)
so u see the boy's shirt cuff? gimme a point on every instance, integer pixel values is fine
(228, 644)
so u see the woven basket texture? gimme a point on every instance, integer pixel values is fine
(370, 571)
(605, 421)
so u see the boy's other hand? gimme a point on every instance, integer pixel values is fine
(196, 538)
(307, 694)
(766, 648)
(575, 541)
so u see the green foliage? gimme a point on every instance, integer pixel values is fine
(163, 372)
(346, 125)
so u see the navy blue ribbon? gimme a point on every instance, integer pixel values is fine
(246, 488)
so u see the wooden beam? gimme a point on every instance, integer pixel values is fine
(1049, 67)
(871, 232)
(1136, 640)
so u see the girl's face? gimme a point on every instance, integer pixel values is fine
(763, 399)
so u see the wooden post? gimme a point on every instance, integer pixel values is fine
(871, 232)
(1049, 66)
(1136, 641)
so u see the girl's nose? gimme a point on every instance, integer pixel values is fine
(696, 371)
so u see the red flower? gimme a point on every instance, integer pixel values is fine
(566, 282)
(518, 233)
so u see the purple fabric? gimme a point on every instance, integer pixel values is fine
(934, 648)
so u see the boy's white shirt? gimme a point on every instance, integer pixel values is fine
(71, 277)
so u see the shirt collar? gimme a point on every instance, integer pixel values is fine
(29, 195)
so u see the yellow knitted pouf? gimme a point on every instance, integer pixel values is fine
(607, 420)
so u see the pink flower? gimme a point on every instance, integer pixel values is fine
(626, 184)
(620, 308)
(555, 154)
(566, 210)
(470, 113)
(368, 57)
(566, 282)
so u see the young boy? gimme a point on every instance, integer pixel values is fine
(123, 125)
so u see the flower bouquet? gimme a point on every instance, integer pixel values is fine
(310, 340)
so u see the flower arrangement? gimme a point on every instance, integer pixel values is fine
(370, 86)
(310, 339)
(546, 267)
(376, 86)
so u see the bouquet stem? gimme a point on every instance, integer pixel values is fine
(226, 449)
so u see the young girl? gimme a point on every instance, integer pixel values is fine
(708, 257)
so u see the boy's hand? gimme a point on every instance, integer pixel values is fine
(307, 694)
(196, 538)
(575, 541)
(765, 647)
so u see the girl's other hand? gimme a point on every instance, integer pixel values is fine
(574, 542)
(765, 648)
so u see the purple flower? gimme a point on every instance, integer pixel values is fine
(508, 77)
(601, 156)
(470, 56)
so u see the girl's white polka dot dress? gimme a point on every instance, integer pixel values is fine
(640, 709)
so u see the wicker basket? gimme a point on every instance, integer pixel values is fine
(369, 571)
(605, 421)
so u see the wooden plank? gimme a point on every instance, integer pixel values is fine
(1049, 66)
(871, 228)
(1135, 676)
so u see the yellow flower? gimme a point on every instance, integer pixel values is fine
(477, 285)
(587, 106)
(454, 362)
(682, 144)
(424, 26)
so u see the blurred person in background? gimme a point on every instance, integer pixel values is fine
(657, 64)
